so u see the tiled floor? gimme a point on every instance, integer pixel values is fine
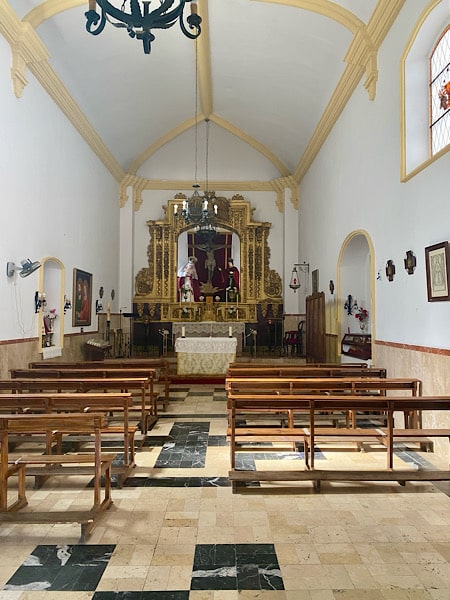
(176, 531)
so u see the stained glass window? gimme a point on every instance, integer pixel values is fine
(440, 93)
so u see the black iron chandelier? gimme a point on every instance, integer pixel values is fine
(139, 23)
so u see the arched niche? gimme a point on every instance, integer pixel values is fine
(356, 277)
(51, 312)
(156, 290)
(212, 253)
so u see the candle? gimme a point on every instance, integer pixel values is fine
(92, 4)
(183, 331)
(108, 312)
(230, 331)
(193, 8)
(215, 209)
(175, 209)
(184, 204)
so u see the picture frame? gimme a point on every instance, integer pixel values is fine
(82, 298)
(437, 263)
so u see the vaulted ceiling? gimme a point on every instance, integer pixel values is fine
(273, 75)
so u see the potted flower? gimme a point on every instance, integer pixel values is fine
(362, 315)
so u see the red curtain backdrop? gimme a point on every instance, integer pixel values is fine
(213, 254)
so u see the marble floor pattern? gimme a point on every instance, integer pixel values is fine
(177, 532)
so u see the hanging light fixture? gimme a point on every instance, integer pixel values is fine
(200, 210)
(295, 281)
(139, 23)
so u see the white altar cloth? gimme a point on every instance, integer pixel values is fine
(210, 329)
(200, 356)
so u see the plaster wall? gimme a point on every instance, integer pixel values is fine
(362, 190)
(57, 200)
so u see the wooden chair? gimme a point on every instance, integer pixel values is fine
(293, 340)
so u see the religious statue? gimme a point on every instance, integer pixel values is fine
(188, 280)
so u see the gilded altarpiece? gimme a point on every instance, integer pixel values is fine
(156, 289)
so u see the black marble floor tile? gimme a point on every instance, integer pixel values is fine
(62, 568)
(186, 448)
(217, 440)
(183, 595)
(236, 567)
(177, 482)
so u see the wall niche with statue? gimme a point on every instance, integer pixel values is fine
(218, 274)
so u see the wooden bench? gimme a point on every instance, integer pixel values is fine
(160, 365)
(141, 385)
(387, 436)
(328, 385)
(97, 465)
(101, 373)
(304, 370)
(80, 402)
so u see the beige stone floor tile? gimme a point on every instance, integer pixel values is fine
(358, 594)
(125, 555)
(361, 577)
(397, 594)
(396, 575)
(180, 577)
(173, 554)
(309, 595)
(311, 577)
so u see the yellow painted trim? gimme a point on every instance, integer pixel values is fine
(325, 8)
(50, 8)
(204, 64)
(404, 176)
(360, 57)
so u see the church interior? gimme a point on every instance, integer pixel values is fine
(224, 313)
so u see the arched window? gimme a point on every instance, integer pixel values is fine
(440, 93)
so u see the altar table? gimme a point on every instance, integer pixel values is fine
(200, 356)
(210, 329)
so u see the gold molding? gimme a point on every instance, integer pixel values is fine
(156, 284)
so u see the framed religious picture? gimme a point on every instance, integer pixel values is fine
(437, 262)
(82, 298)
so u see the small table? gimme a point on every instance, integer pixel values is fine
(200, 356)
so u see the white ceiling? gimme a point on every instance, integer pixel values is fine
(271, 69)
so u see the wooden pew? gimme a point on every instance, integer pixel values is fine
(97, 465)
(276, 363)
(100, 373)
(304, 370)
(141, 385)
(328, 385)
(160, 365)
(80, 402)
(247, 403)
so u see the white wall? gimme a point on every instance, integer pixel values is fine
(57, 200)
(362, 190)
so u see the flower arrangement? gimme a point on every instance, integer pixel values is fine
(362, 314)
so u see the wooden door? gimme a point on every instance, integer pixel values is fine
(315, 328)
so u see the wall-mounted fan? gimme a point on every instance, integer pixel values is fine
(28, 267)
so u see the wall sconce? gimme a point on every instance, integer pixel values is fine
(351, 304)
(295, 281)
(98, 306)
(67, 304)
(39, 301)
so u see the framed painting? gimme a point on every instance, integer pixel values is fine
(437, 262)
(82, 298)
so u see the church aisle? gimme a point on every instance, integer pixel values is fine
(176, 531)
